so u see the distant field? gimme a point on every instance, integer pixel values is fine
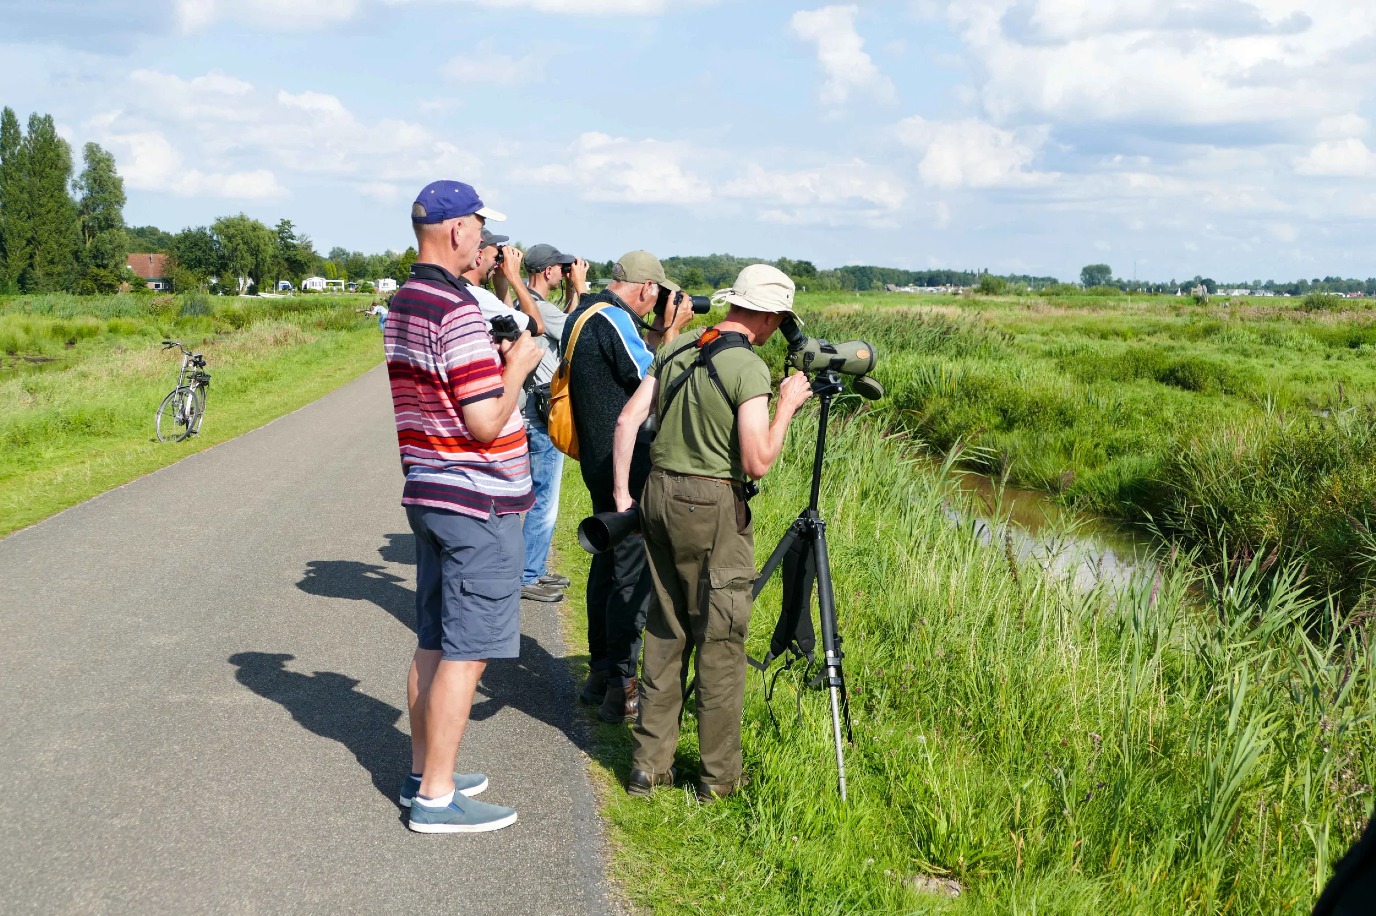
(81, 377)
(1241, 426)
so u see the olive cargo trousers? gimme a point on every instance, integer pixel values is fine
(701, 547)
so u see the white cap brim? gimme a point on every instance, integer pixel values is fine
(489, 213)
(735, 298)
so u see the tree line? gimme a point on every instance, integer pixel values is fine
(1101, 275)
(56, 233)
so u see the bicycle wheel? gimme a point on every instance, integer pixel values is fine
(171, 420)
(195, 410)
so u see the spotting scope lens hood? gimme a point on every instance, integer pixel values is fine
(603, 531)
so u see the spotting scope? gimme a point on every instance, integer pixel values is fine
(850, 357)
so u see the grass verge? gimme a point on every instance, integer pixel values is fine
(1239, 429)
(1052, 751)
(84, 377)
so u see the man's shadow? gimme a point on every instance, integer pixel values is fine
(328, 704)
(361, 582)
(400, 548)
(537, 683)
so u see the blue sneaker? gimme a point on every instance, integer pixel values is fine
(469, 784)
(464, 815)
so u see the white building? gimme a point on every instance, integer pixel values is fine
(314, 283)
(386, 285)
(334, 286)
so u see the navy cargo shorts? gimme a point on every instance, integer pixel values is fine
(468, 583)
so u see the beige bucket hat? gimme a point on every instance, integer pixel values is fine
(760, 288)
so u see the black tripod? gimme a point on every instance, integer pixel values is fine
(803, 553)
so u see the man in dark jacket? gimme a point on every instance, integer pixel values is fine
(606, 367)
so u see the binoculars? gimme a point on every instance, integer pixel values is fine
(603, 531)
(504, 328)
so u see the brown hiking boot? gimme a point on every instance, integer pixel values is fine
(642, 783)
(622, 702)
(708, 792)
(594, 688)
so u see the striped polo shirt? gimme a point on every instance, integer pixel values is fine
(440, 359)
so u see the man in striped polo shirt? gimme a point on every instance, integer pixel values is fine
(463, 448)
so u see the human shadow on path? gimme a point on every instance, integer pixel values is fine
(328, 704)
(400, 548)
(537, 683)
(361, 582)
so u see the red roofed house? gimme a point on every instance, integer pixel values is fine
(152, 269)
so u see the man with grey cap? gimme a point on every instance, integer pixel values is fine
(711, 395)
(547, 268)
(606, 366)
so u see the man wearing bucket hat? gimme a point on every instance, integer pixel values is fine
(606, 367)
(463, 449)
(711, 394)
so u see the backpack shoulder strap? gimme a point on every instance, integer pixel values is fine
(705, 352)
(578, 328)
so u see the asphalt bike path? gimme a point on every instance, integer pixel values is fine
(203, 695)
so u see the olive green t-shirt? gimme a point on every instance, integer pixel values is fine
(698, 435)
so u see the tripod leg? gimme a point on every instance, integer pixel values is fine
(775, 558)
(831, 646)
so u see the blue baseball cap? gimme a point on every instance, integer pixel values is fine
(442, 200)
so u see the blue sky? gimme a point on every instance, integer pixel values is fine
(1230, 138)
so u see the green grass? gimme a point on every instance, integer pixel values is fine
(81, 378)
(1179, 746)
(1241, 428)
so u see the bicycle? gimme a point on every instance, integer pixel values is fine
(180, 414)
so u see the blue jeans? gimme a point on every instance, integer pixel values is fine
(546, 470)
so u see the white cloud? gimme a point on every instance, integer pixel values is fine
(151, 163)
(841, 53)
(583, 7)
(849, 183)
(609, 168)
(1350, 158)
(972, 153)
(484, 65)
(601, 168)
(1160, 62)
(248, 142)
(199, 15)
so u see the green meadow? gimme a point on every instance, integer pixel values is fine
(1238, 428)
(1197, 741)
(1180, 744)
(81, 378)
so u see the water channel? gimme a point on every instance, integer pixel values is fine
(1089, 549)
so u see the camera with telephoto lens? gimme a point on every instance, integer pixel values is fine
(504, 328)
(701, 304)
(820, 358)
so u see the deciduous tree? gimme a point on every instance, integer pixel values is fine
(1095, 275)
(246, 249)
(101, 212)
